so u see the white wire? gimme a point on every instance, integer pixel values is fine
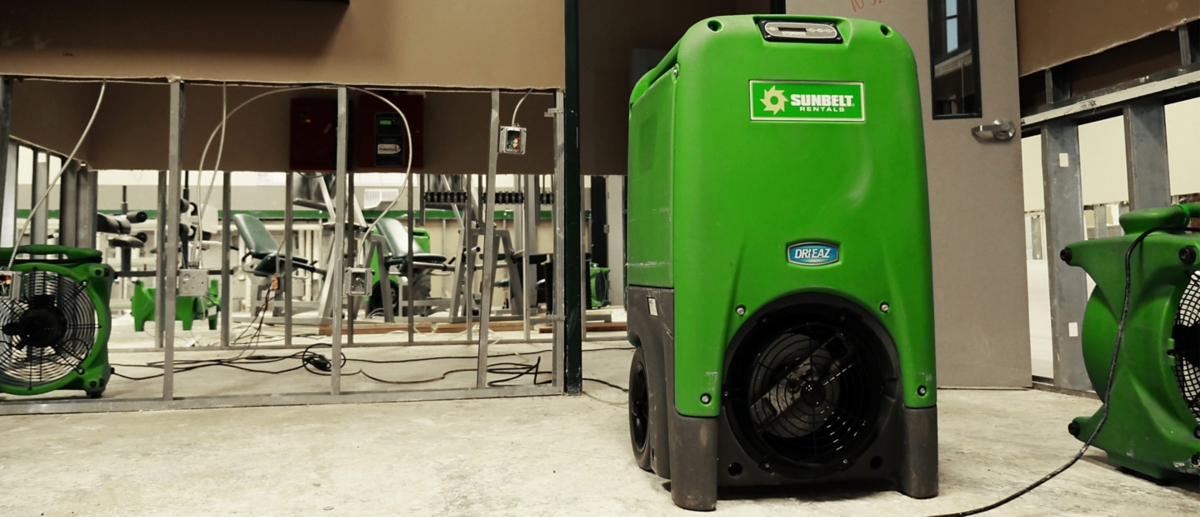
(65, 164)
(216, 167)
(514, 119)
(221, 128)
(407, 171)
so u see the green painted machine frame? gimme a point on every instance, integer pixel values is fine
(719, 190)
(85, 267)
(1150, 428)
(188, 309)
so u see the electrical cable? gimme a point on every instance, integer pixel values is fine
(319, 364)
(1112, 369)
(606, 383)
(407, 171)
(221, 128)
(518, 108)
(65, 164)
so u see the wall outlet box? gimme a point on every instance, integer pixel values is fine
(10, 285)
(512, 140)
(193, 282)
(358, 281)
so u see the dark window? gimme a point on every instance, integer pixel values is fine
(954, 56)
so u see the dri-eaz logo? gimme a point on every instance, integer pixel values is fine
(812, 254)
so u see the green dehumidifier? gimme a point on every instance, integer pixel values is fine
(779, 262)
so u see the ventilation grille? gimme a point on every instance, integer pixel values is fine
(47, 332)
(1187, 345)
(808, 388)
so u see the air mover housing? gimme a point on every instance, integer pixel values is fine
(779, 261)
(1153, 424)
(54, 329)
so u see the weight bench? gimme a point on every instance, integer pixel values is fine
(262, 247)
(395, 237)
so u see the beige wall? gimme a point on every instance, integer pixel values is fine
(130, 131)
(470, 43)
(609, 30)
(1053, 32)
(53, 115)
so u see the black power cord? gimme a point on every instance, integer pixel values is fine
(318, 364)
(1112, 370)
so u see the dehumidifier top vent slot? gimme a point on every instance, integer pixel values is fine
(1187, 345)
(802, 32)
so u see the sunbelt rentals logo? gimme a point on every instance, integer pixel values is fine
(806, 101)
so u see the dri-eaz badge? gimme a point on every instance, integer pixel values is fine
(812, 254)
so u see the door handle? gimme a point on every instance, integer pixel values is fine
(1001, 129)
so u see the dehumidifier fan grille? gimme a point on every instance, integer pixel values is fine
(808, 389)
(47, 331)
(1187, 345)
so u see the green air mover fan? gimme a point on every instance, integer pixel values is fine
(1153, 424)
(54, 321)
(779, 266)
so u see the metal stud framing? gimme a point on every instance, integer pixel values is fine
(81, 186)
(1064, 225)
(1146, 153)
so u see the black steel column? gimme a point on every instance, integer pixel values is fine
(573, 245)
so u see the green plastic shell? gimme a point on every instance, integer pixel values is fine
(1150, 428)
(93, 373)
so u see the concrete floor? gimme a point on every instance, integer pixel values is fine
(531, 456)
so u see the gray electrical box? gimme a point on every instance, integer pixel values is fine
(512, 140)
(358, 281)
(10, 285)
(193, 282)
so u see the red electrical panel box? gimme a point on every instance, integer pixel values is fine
(379, 132)
(313, 135)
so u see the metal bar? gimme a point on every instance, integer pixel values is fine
(160, 258)
(172, 240)
(288, 252)
(226, 243)
(1189, 43)
(1064, 225)
(1090, 105)
(570, 192)
(351, 252)
(408, 264)
(88, 195)
(8, 195)
(337, 262)
(1146, 153)
(561, 256)
(41, 183)
(489, 241)
(528, 232)
(1100, 216)
(43, 407)
(68, 205)
(1058, 84)
(9, 152)
(1035, 225)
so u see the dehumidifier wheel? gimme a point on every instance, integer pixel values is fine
(639, 410)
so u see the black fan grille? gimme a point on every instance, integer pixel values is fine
(47, 332)
(811, 397)
(1187, 345)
